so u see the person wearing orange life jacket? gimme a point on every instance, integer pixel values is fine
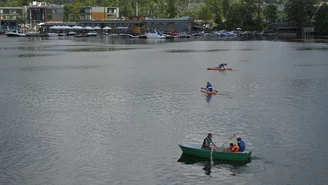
(233, 148)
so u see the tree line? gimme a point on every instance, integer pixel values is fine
(222, 14)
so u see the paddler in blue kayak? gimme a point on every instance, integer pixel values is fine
(209, 86)
(221, 66)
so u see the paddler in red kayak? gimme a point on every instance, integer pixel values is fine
(221, 66)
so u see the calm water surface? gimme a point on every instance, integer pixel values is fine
(107, 111)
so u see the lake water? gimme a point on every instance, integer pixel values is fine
(106, 111)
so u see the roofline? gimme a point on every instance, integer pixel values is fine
(9, 7)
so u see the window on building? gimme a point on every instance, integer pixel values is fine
(1, 11)
(111, 10)
(87, 10)
(6, 11)
(37, 14)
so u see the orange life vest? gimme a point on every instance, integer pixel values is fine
(235, 149)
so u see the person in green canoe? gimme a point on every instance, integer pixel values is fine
(207, 143)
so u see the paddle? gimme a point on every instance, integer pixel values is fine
(206, 89)
(233, 135)
(211, 156)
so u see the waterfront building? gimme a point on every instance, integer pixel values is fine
(10, 17)
(40, 12)
(99, 13)
(140, 25)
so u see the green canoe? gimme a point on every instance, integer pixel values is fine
(195, 150)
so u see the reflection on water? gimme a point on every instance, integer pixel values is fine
(234, 166)
(208, 98)
(91, 49)
(312, 48)
(307, 65)
(202, 50)
(193, 50)
(65, 48)
(207, 167)
(189, 159)
(42, 68)
(35, 55)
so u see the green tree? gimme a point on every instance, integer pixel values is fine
(171, 8)
(249, 10)
(301, 12)
(126, 8)
(76, 10)
(182, 6)
(14, 3)
(225, 7)
(90, 3)
(190, 12)
(236, 15)
(68, 9)
(258, 4)
(281, 15)
(204, 12)
(270, 1)
(216, 8)
(271, 13)
(321, 20)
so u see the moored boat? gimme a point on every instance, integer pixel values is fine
(195, 150)
(62, 34)
(81, 35)
(218, 69)
(155, 35)
(92, 34)
(15, 34)
(128, 35)
(71, 33)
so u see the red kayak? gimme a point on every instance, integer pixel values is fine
(207, 92)
(219, 69)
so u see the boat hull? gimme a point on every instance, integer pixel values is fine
(15, 34)
(154, 36)
(218, 69)
(195, 150)
(208, 92)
